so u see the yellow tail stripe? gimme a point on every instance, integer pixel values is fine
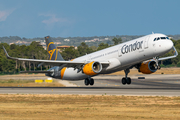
(48, 45)
(56, 53)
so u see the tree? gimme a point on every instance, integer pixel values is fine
(70, 53)
(84, 49)
(117, 40)
(102, 46)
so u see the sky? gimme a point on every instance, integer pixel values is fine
(85, 18)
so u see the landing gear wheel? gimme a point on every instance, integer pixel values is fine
(86, 82)
(128, 80)
(123, 81)
(91, 82)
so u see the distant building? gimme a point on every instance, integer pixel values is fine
(106, 38)
(57, 43)
(38, 42)
(171, 38)
(9, 43)
(18, 42)
(43, 44)
(96, 39)
(67, 40)
(61, 48)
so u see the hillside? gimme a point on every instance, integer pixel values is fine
(73, 41)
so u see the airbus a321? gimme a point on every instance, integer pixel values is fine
(142, 53)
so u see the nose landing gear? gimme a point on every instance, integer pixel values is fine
(157, 66)
(89, 81)
(126, 80)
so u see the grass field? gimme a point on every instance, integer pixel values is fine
(80, 107)
(27, 83)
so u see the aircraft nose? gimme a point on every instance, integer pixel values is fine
(168, 45)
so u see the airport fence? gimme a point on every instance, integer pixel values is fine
(8, 73)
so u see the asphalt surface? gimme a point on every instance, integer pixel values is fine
(153, 85)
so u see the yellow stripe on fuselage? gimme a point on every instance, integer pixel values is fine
(62, 72)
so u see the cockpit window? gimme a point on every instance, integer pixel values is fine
(163, 37)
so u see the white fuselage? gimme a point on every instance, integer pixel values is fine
(124, 55)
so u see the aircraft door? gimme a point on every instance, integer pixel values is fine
(146, 42)
(154, 46)
(119, 51)
(88, 58)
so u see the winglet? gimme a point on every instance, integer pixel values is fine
(6, 52)
(175, 55)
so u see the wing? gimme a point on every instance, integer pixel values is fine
(52, 62)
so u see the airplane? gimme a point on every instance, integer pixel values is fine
(142, 53)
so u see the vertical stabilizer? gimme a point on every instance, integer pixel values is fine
(52, 50)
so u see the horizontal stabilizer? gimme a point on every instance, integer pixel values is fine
(36, 71)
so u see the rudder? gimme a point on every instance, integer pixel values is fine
(52, 50)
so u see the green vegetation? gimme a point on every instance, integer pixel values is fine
(33, 51)
(117, 40)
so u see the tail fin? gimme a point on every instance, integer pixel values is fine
(52, 50)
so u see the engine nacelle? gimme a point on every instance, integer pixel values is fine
(55, 72)
(148, 67)
(92, 68)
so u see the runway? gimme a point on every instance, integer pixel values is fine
(153, 85)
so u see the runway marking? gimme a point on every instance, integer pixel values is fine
(108, 84)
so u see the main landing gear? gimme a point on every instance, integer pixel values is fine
(89, 81)
(126, 80)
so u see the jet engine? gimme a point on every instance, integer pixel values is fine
(148, 67)
(55, 72)
(92, 68)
